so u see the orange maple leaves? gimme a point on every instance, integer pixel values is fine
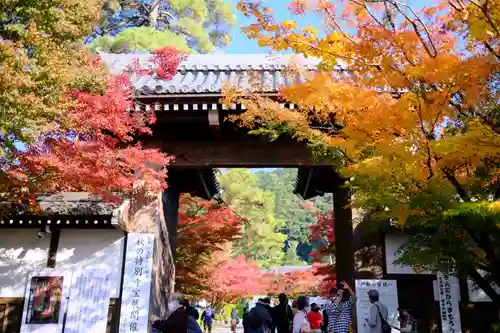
(389, 80)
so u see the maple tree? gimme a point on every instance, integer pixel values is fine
(65, 123)
(205, 227)
(407, 103)
(321, 234)
(231, 279)
(299, 282)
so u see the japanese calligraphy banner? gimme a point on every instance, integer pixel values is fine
(134, 311)
(448, 303)
(45, 301)
(388, 295)
(88, 304)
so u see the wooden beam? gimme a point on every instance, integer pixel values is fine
(231, 152)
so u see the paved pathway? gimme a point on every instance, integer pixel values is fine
(224, 329)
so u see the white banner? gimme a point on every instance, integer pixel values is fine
(448, 303)
(88, 305)
(388, 295)
(134, 311)
(45, 301)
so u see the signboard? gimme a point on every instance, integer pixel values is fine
(448, 303)
(45, 295)
(89, 302)
(388, 295)
(393, 242)
(134, 311)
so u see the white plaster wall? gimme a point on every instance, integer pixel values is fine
(21, 252)
(393, 242)
(99, 249)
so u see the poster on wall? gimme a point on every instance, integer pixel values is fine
(44, 301)
(45, 295)
(134, 311)
(448, 303)
(88, 304)
(388, 295)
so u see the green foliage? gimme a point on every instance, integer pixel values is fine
(203, 24)
(290, 208)
(273, 213)
(466, 237)
(260, 240)
(291, 258)
(140, 39)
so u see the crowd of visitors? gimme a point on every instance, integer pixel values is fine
(335, 316)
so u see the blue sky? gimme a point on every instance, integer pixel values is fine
(242, 45)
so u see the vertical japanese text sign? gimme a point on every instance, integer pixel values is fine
(448, 303)
(134, 311)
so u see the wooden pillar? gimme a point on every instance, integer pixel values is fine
(171, 208)
(344, 253)
(53, 246)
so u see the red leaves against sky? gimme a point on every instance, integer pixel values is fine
(164, 61)
(95, 151)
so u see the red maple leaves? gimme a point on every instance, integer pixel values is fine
(94, 148)
(292, 283)
(322, 235)
(234, 278)
(205, 227)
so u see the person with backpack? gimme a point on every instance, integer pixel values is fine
(258, 319)
(208, 317)
(377, 322)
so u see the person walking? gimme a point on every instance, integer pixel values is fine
(300, 321)
(339, 310)
(377, 322)
(315, 318)
(207, 318)
(177, 321)
(282, 315)
(234, 320)
(258, 319)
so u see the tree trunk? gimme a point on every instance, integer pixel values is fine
(153, 13)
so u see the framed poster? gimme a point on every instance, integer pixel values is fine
(136, 292)
(44, 300)
(388, 295)
(46, 294)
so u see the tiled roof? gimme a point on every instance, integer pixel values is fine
(208, 73)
